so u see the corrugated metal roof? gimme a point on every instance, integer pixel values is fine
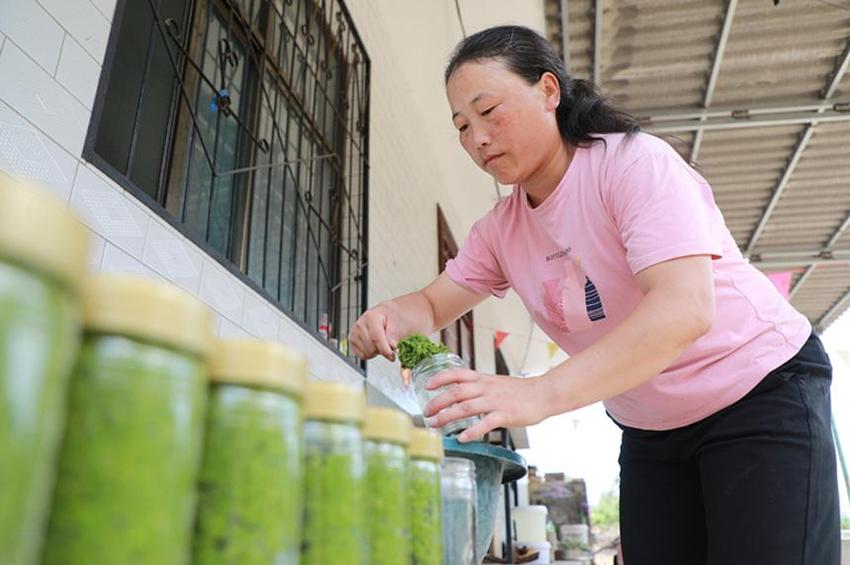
(783, 185)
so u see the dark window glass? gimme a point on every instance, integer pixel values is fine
(245, 122)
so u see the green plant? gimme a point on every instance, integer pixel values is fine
(412, 350)
(569, 544)
(607, 512)
(845, 522)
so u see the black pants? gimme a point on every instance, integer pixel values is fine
(754, 484)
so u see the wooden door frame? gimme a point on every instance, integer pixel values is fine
(447, 249)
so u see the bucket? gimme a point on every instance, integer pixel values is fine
(544, 549)
(530, 523)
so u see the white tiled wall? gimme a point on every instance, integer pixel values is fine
(32, 29)
(105, 7)
(82, 21)
(78, 72)
(36, 95)
(51, 52)
(28, 152)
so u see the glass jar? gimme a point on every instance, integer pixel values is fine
(426, 452)
(459, 510)
(129, 461)
(422, 373)
(251, 478)
(387, 433)
(42, 264)
(334, 476)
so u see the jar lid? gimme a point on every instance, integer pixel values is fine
(147, 309)
(387, 424)
(38, 230)
(258, 363)
(426, 444)
(335, 402)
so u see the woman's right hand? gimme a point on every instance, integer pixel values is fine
(379, 329)
(375, 333)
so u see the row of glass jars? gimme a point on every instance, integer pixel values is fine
(129, 436)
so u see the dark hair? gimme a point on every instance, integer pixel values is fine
(583, 110)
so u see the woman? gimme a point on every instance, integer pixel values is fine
(617, 249)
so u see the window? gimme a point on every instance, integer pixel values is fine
(459, 337)
(245, 124)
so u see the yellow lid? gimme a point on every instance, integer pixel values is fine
(147, 309)
(38, 230)
(426, 444)
(387, 424)
(258, 363)
(335, 402)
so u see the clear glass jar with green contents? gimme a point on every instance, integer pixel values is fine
(251, 479)
(334, 476)
(426, 452)
(43, 252)
(129, 461)
(387, 434)
(424, 371)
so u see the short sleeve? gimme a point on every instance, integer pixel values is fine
(664, 210)
(476, 266)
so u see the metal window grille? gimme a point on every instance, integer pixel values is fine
(245, 123)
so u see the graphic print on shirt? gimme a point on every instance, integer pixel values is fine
(572, 302)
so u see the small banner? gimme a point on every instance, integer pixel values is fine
(782, 282)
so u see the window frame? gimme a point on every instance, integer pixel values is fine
(90, 155)
(447, 249)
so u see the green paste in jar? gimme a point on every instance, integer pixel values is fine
(126, 492)
(250, 487)
(334, 515)
(426, 523)
(39, 328)
(43, 261)
(387, 503)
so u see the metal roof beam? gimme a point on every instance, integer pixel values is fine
(804, 254)
(827, 249)
(696, 146)
(801, 281)
(838, 233)
(758, 121)
(780, 186)
(597, 41)
(838, 73)
(719, 51)
(805, 136)
(565, 34)
(660, 117)
(839, 305)
(787, 264)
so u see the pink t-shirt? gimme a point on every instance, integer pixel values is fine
(621, 207)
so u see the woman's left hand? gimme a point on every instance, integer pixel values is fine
(503, 402)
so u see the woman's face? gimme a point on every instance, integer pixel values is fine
(506, 125)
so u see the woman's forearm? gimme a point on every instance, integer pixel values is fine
(432, 308)
(659, 329)
(413, 313)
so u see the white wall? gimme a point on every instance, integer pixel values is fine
(51, 52)
(417, 161)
